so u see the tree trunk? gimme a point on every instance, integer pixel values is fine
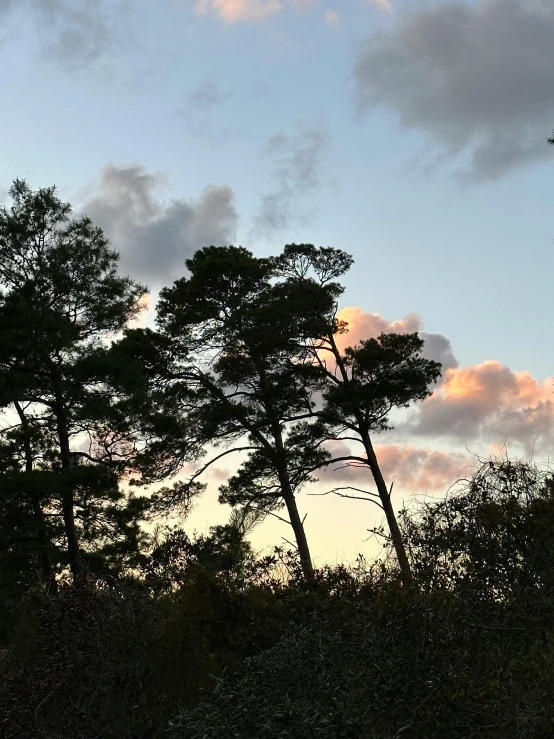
(301, 540)
(68, 503)
(42, 535)
(384, 495)
(292, 508)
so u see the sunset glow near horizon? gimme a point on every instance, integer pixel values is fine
(413, 135)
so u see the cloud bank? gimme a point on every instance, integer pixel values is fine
(475, 77)
(486, 403)
(155, 237)
(491, 403)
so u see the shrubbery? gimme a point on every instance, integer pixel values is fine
(406, 665)
(214, 645)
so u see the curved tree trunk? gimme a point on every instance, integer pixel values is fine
(292, 508)
(301, 540)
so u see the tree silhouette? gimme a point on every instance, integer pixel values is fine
(227, 369)
(60, 298)
(364, 383)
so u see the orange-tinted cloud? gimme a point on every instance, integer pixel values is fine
(411, 469)
(234, 11)
(363, 325)
(488, 401)
(416, 469)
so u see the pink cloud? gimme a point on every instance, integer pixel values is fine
(234, 11)
(482, 404)
(408, 467)
(383, 4)
(491, 402)
(416, 469)
(363, 325)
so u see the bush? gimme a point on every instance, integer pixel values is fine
(78, 665)
(405, 665)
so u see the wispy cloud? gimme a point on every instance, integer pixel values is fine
(78, 32)
(297, 171)
(200, 106)
(383, 4)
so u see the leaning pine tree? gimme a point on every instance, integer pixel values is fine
(362, 384)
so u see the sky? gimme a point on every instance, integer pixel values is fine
(411, 134)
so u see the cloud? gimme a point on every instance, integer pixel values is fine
(363, 325)
(408, 467)
(297, 172)
(475, 77)
(420, 469)
(332, 19)
(155, 237)
(200, 104)
(232, 11)
(81, 31)
(488, 402)
(485, 403)
(383, 4)
(439, 348)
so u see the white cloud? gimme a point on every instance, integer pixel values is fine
(332, 19)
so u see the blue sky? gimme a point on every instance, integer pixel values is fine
(411, 134)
